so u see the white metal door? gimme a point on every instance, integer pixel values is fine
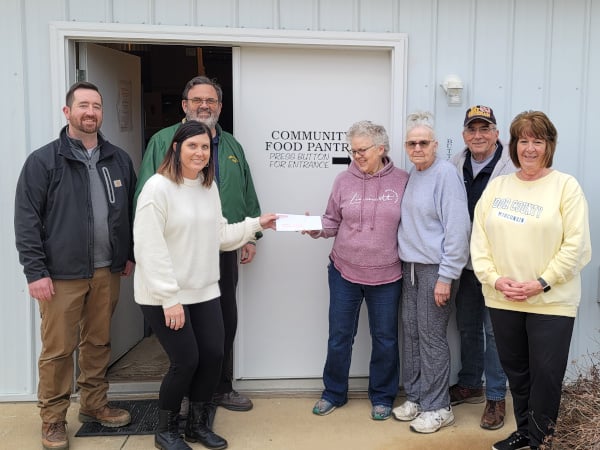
(118, 76)
(292, 108)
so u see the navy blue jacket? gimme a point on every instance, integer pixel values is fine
(53, 211)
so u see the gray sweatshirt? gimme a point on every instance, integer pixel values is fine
(435, 226)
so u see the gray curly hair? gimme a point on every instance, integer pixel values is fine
(367, 128)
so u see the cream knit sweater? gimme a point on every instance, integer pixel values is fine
(178, 232)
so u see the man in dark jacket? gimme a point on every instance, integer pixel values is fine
(73, 234)
(483, 159)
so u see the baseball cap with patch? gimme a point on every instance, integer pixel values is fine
(480, 112)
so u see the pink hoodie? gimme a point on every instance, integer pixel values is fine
(363, 213)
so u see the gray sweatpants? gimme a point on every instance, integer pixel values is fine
(425, 351)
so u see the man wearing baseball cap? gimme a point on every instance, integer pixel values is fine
(483, 159)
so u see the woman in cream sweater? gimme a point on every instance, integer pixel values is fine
(178, 232)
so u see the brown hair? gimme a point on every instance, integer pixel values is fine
(171, 165)
(79, 85)
(533, 124)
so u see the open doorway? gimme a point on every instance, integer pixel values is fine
(165, 69)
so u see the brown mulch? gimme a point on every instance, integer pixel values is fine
(578, 425)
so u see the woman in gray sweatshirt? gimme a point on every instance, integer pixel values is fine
(433, 244)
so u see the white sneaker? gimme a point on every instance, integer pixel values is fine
(432, 421)
(407, 411)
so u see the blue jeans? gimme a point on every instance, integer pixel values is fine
(345, 299)
(476, 354)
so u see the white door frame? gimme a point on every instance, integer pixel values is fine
(63, 34)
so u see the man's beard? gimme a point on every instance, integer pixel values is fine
(210, 122)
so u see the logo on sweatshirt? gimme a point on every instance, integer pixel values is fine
(389, 195)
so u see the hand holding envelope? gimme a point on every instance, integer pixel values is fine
(298, 222)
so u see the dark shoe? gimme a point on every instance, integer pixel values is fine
(54, 435)
(210, 410)
(515, 441)
(185, 406)
(459, 394)
(167, 435)
(196, 429)
(233, 401)
(493, 415)
(106, 416)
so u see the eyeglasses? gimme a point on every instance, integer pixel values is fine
(413, 144)
(196, 101)
(360, 151)
(470, 131)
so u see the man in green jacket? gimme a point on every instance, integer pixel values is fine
(202, 101)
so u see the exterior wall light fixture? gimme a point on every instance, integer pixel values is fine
(453, 87)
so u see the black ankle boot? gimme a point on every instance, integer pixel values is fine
(167, 435)
(209, 413)
(196, 429)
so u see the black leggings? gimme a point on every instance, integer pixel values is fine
(228, 285)
(195, 352)
(533, 350)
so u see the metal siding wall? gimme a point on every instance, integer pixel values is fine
(417, 19)
(36, 52)
(377, 16)
(491, 53)
(338, 15)
(133, 11)
(295, 15)
(453, 55)
(16, 310)
(529, 60)
(513, 55)
(566, 74)
(174, 12)
(257, 14)
(90, 10)
(211, 16)
(584, 122)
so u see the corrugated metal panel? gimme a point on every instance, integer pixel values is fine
(133, 11)
(258, 14)
(294, 15)
(529, 56)
(174, 12)
(17, 315)
(209, 15)
(338, 15)
(512, 55)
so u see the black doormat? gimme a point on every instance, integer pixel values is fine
(144, 419)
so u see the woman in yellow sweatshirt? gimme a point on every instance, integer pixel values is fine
(529, 243)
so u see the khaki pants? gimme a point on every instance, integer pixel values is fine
(80, 311)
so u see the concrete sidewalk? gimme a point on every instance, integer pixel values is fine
(279, 424)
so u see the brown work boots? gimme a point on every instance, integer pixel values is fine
(106, 416)
(459, 394)
(493, 415)
(54, 435)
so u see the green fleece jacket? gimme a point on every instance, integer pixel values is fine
(236, 189)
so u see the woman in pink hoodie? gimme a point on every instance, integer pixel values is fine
(363, 214)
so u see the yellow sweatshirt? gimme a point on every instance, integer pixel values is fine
(530, 229)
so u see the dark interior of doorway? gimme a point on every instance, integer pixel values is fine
(165, 71)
